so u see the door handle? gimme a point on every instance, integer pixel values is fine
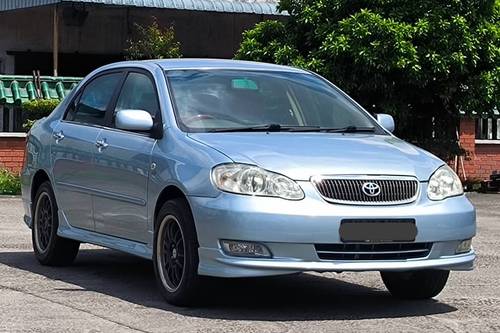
(101, 144)
(58, 136)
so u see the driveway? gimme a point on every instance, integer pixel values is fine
(106, 291)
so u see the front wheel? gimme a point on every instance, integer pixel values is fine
(175, 253)
(415, 284)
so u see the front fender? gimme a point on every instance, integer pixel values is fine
(184, 163)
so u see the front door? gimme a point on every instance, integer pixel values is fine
(73, 145)
(72, 149)
(123, 164)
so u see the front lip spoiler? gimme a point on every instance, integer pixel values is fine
(462, 262)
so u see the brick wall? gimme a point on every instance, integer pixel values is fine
(12, 151)
(483, 158)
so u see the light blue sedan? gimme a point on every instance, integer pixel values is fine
(236, 169)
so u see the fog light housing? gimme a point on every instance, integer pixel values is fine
(245, 249)
(464, 246)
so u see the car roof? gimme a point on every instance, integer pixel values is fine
(170, 64)
(193, 63)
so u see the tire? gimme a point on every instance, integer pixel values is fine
(175, 254)
(49, 248)
(416, 284)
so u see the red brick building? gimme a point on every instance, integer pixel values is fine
(481, 139)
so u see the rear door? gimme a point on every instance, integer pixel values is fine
(123, 165)
(72, 148)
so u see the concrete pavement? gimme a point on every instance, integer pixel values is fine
(106, 291)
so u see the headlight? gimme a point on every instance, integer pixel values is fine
(252, 180)
(444, 183)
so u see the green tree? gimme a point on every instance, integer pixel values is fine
(153, 42)
(424, 61)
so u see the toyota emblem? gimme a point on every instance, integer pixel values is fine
(371, 189)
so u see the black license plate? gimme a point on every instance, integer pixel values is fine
(378, 231)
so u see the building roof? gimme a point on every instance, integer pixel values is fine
(268, 7)
(16, 89)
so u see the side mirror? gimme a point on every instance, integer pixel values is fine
(386, 121)
(134, 120)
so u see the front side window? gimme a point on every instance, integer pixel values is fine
(138, 93)
(93, 102)
(213, 100)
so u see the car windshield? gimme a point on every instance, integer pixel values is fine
(236, 100)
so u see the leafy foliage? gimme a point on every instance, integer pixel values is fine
(153, 42)
(421, 61)
(10, 184)
(37, 109)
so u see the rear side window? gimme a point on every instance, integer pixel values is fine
(93, 102)
(138, 93)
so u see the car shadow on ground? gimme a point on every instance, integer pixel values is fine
(300, 297)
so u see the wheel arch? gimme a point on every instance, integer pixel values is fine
(168, 193)
(38, 179)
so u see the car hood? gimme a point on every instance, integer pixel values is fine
(303, 155)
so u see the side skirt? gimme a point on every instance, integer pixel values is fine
(86, 236)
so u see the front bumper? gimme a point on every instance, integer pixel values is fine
(256, 267)
(291, 228)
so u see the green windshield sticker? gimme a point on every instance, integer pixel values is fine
(244, 84)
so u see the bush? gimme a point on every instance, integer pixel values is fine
(9, 183)
(153, 42)
(37, 109)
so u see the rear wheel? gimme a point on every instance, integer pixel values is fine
(49, 248)
(415, 284)
(176, 253)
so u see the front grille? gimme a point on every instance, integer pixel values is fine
(382, 251)
(350, 191)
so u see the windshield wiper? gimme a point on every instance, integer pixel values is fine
(349, 129)
(287, 128)
(267, 128)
